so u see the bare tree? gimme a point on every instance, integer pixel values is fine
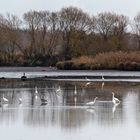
(10, 25)
(33, 21)
(105, 24)
(71, 20)
(120, 26)
(136, 28)
(53, 33)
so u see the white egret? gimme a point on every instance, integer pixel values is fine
(5, 100)
(20, 100)
(88, 83)
(103, 78)
(87, 79)
(75, 90)
(115, 100)
(36, 91)
(114, 107)
(103, 82)
(75, 100)
(93, 102)
(59, 89)
(36, 97)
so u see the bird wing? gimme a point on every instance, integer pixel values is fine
(116, 99)
(88, 83)
(58, 90)
(89, 103)
(5, 99)
(20, 99)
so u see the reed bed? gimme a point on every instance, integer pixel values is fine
(110, 60)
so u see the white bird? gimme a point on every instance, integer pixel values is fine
(103, 78)
(87, 79)
(20, 100)
(114, 107)
(92, 103)
(103, 85)
(59, 89)
(75, 90)
(36, 91)
(103, 81)
(75, 100)
(36, 97)
(88, 83)
(115, 100)
(5, 100)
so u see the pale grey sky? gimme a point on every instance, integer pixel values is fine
(18, 7)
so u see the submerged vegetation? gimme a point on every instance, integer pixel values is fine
(44, 38)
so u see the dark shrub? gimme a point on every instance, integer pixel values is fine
(68, 65)
(60, 65)
(130, 66)
(120, 66)
(95, 67)
(138, 66)
(84, 66)
(75, 67)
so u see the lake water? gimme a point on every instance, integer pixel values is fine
(66, 116)
(11, 72)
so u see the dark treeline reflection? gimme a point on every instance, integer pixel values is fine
(66, 103)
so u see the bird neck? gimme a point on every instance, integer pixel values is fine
(95, 99)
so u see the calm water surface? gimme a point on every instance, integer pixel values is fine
(65, 116)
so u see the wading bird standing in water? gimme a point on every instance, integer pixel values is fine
(92, 103)
(115, 100)
(20, 100)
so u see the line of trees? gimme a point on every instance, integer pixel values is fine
(44, 37)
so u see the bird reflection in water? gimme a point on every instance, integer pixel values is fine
(20, 100)
(44, 100)
(4, 100)
(103, 82)
(88, 82)
(75, 101)
(75, 91)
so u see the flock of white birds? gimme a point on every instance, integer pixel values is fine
(114, 100)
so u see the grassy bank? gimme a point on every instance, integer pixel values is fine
(111, 60)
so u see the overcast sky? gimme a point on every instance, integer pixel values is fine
(18, 7)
